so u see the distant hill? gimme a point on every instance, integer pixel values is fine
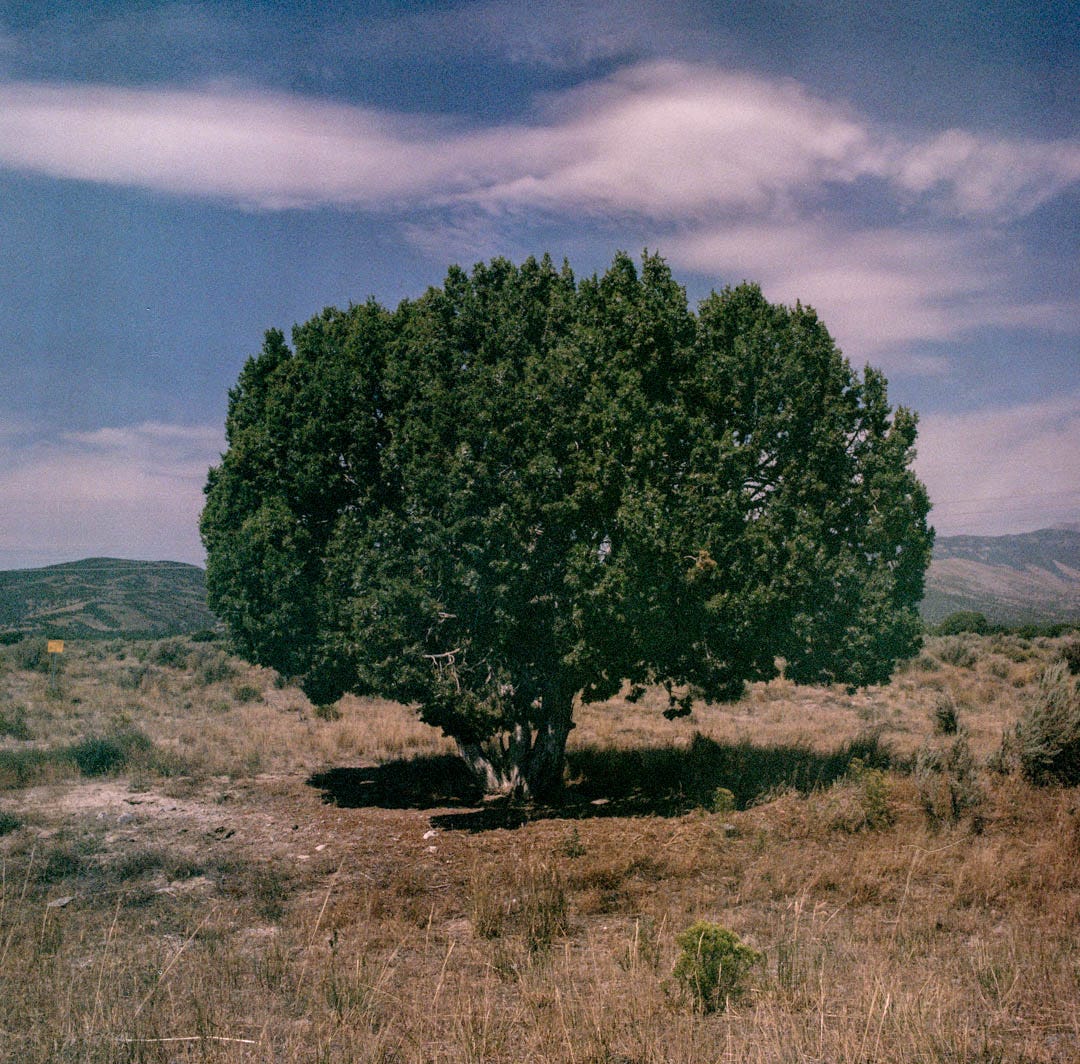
(1021, 579)
(1032, 578)
(100, 597)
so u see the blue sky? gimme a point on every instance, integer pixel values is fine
(175, 178)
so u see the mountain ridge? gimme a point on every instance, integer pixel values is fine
(101, 597)
(1022, 578)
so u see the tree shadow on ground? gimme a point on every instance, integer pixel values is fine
(603, 781)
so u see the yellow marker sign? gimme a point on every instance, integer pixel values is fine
(55, 646)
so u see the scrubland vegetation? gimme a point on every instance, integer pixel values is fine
(196, 865)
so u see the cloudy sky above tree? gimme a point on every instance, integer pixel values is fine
(177, 177)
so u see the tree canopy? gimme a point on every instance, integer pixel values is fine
(520, 489)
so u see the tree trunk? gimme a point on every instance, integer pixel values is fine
(528, 762)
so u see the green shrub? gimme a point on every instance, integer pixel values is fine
(713, 965)
(956, 650)
(246, 692)
(946, 720)
(171, 652)
(211, 665)
(100, 755)
(1048, 734)
(1070, 654)
(327, 712)
(948, 784)
(9, 823)
(874, 797)
(964, 621)
(8, 639)
(29, 654)
(13, 723)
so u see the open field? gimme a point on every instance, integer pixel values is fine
(195, 865)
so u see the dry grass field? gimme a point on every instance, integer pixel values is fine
(197, 866)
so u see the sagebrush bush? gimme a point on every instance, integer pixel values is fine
(948, 783)
(100, 755)
(957, 650)
(946, 720)
(210, 665)
(13, 723)
(713, 965)
(29, 654)
(1070, 654)
(171, 652)
(1048, 734)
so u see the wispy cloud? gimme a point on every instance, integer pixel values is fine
(984, 176)
(729, 173)
(994, 471)
(666, 139)
(878, 289)
(111, 491)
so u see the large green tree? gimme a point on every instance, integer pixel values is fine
(520, 489)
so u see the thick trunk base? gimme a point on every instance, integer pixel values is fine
(525, 764)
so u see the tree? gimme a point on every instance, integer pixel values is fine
(521, 489)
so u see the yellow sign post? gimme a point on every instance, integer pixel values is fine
(55, 648)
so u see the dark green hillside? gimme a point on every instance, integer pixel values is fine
(1020, 579)
(100, 597)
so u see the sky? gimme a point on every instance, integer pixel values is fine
(178, 177)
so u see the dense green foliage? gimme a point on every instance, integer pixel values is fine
(520, 488)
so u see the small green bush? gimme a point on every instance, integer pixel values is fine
(329, 711)
(173, 653)
(713, 965)
(29, 654)
(964, 621)
(13, 723)
(948, 784)
(210, 665)
(100, 755)
(875, 799)
(956, 650)
(8, 639)
(9, 823)
(946, 720)
(246, 692)
(1048, 734)
(1070, 654)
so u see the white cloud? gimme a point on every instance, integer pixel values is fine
(877, 289)
(997, 470)
(731, 173)
(666, 139)
(134, 491)
(983, 176)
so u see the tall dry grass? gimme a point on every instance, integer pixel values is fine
(224, 908)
